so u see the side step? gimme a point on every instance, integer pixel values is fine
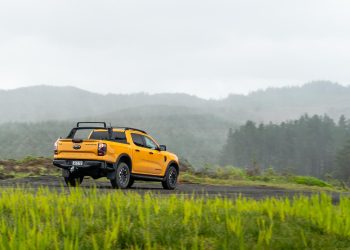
(147, 177)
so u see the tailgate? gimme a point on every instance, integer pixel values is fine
(83, 149)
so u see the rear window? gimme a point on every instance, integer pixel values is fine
(82, 134)
(103, 135)
(137, 139)
(99, 135)
(119, 137)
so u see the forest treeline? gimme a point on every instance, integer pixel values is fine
(312, 145)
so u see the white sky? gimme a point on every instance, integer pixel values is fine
(206, 48)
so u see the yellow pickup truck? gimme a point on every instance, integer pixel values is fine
(121, 154)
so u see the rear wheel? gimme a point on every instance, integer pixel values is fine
(122, 178)
(73, 181)
(170, 181)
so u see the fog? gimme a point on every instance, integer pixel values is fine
(204, 48)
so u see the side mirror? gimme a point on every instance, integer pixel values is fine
(162, 148)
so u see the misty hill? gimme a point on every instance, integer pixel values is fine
(279, 104)
(194, 128)
(41, 103)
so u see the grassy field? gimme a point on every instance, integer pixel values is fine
(90, 219)
(229, 175)
(305, 185)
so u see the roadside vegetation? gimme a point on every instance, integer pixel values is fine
(209, 174)
(28, 166)
(229, 175)
(93, 219)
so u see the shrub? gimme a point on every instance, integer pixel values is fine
(234, 172)
(254, 170)
(226, 172)
(310, 181)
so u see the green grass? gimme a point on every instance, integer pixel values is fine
(310, 181)
(93, 219)
(193, 178)
(229, 175)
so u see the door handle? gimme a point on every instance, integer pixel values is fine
(136, 150)
(151, 153)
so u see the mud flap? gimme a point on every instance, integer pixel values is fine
(112, 175)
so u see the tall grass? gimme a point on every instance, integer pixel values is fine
(94, 219)
(215, 174)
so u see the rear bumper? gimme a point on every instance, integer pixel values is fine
(87, 167)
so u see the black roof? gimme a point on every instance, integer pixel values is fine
(104, 126)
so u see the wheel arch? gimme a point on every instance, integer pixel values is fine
(174, 164)
(121, 158)
(126, 159)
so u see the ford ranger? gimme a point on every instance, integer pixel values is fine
(121, 154)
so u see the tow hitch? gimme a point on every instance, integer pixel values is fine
(73, 169)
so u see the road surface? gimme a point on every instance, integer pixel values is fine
(210, 191)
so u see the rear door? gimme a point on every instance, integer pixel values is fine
(155, 156)
(145, 159)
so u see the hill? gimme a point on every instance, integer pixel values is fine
(42, 103)
(32, 118)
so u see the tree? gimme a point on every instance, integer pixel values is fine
(306, 146)
(343, 162)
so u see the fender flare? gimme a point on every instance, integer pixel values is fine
(173, 163)
(111, 175)
(126, 156)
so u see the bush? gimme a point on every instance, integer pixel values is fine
(254, 170)
(218, 172)
(310, 181)
(230, 172)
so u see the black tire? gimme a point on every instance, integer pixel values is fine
(73, 181)
(170, 181)
(122, 177)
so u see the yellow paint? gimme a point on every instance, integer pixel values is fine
(144, 160)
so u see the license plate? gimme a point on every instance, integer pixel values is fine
(77, 163)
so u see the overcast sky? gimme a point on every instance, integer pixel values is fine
(206, 48)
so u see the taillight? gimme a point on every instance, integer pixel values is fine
(55, 148)
(102, 149)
